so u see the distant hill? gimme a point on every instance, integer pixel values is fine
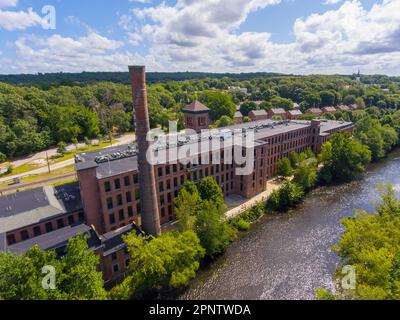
(56, 79)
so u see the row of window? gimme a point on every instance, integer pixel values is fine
(37, 230)
(289, 135)
(121, 214)
(117, 182)
(119, 199)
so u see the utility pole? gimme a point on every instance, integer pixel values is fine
(47, 159)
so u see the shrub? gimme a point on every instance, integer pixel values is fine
(240, 224)
(289, 195)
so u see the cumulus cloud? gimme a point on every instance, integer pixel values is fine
(351, 34)
(19, 20)
(57, 53)
(205, 36)
(8, 3)
(332, 1)
(198, 32)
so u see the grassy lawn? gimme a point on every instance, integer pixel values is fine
(53, 173)
(63, 182)
(70, 154)
(57, 159)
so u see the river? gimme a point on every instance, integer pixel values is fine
(288, 256)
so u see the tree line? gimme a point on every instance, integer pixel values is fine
(34, 116)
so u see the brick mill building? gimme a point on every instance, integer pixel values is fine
(119, 191)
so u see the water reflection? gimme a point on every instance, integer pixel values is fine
(288, 256)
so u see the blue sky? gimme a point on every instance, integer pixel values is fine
(292, 36)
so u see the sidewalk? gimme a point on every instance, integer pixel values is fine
(237, 205)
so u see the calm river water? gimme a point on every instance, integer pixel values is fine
(288, 256)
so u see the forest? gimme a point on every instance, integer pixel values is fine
(40, 111)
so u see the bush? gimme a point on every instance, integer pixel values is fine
(61, 148)
(285, 168)
(10, 168)
(243, 221)
(240, 224)
(289, 195)
(322, 294)
(2, 157)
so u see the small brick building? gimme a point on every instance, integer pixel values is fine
(293, 114)
(276, 112)
(196, 116)
(256, 115)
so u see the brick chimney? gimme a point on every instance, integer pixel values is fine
(148, 193)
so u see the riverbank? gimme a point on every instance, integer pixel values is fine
(287, 256)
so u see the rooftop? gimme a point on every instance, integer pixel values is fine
(113, 241)
(33, 206)
(278, 111)
(295, 112)
(314, 110)
(258, 112)
(56, 239)
(196, 106)
(329, 109)
(263, 129)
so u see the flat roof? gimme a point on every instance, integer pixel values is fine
(263, 129)
(112, 241)
(33, 206)
(55, 239)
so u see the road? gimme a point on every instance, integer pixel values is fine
(37, 183)
(40, 155)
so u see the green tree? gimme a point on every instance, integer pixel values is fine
(323, 294)
(379, 139)
(214, 233)
(328, 98)
(246, 107)
(80, 278)
(287, 196)
(77, 277)
(169, 261)
(224, 121)
(220, 104)
(305, 174)
(75, 143)
(371, 244)
(186, 208)
(343, 157)
(21, 275)
(278, 102)
(61, 148)
(285, 167)
(209, 190)
(121, 120)
(3, 157)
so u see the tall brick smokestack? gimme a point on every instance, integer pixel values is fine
(148, 194)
